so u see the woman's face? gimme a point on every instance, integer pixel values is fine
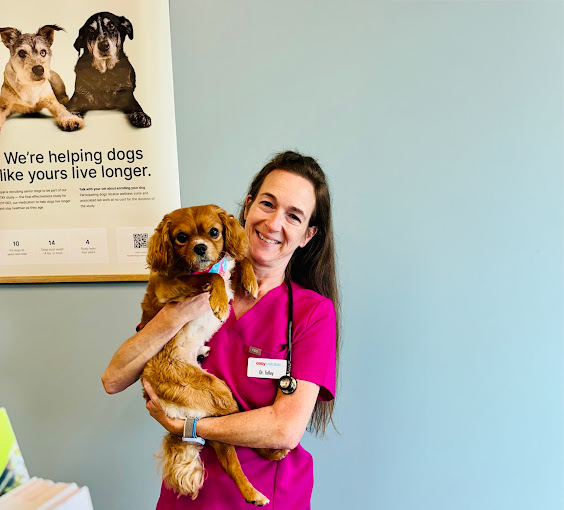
(276, 221)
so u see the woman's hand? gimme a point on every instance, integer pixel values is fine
(175, 315)
(173, 425)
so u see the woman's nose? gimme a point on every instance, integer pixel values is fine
(274, 222)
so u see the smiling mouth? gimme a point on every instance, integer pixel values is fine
(269, 241)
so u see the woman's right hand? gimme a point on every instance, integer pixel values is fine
(175, 315)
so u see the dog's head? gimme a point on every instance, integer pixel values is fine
(195, 238)
(103, 35)
(30, 54)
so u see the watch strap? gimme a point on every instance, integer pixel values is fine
(189, 434)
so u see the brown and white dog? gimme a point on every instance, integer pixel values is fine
(29, 82)
(186, 243)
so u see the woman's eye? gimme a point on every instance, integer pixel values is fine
(295, 218)
(43, 53)
(266, 203)
(214, 233)
(182, 237)
(22, 53)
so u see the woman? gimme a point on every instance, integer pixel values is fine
(287, 217)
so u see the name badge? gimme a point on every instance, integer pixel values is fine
(265, 368)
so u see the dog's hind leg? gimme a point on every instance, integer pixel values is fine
(182, 467)
(227, 457)
(58, 87)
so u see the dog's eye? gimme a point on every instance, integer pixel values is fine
(182, 237)
(214, 233)
(43, 53)
(111, 25)
(22, 53)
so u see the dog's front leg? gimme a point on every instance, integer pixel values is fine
(66, 120)
(135, 113)
(188, 286)
(215, 285)
(5, 111)
(248, 278)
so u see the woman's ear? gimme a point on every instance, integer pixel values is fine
(310, 232)
(248, 202)
(234, 237)
(160, 253)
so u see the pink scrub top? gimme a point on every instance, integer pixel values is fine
(262, 333)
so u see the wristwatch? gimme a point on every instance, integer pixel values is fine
(189, 434)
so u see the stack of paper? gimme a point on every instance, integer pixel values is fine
(38, 494)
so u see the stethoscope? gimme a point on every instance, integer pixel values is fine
(287, 383)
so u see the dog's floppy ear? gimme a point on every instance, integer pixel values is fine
(125, 27)
(9, 36)
(79, 44)
(234, 236)
(48, 32)
(160, 254)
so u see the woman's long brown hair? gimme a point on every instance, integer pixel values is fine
(313, 266)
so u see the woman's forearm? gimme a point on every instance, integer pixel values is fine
(280, 426)
(129, 360)
(259, 428)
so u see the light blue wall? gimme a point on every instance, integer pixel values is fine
(440, 125)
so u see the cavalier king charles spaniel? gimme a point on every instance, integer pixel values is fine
(187, 255)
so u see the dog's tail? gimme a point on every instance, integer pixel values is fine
(182, 467)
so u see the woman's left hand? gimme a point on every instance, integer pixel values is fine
(173, 425)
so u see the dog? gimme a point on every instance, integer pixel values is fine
(105, 79)
(186, 244)
(29, 82)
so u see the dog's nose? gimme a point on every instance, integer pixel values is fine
(200, 249)
(38, 70)
(104, 46)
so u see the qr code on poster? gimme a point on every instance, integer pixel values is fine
(140, 240)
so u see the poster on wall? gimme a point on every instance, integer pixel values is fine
(88, 160)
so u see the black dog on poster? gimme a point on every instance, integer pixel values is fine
(105, 79)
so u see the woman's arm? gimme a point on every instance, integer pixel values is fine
(279, 426)
(129, 360)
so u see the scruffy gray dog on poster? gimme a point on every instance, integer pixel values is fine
(29, 82)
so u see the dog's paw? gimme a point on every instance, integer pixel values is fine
(251, 286)
(257, 499)
(139, 119)
(220, 309)
(71, 123)
(268, 454)
(248, 278)
(203, 353)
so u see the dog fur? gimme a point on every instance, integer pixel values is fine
(29, 82)
(105, 79)
(188, 240)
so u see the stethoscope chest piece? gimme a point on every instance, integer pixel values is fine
(287, 384)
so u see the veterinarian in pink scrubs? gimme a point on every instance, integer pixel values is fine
(287, 217)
